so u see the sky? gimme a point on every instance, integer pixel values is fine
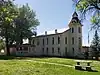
(55, 14)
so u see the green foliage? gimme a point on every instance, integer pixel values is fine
(7, 15)
(95, 45)
(16, 23)
(89, 7)
(25, 23)
(95, 20)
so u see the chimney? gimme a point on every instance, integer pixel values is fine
(35, 33)
(55, 31)
(45, 32)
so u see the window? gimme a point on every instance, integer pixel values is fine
(73, 50)
(47, 41)
(33, 42)
(72, 40)
(74, 21)
(52, 40)
(79, 49)
(25, 48)
(52, 50)
(38, 42)
(79, 41)
(65, 51)
(65, 40)
(79, 29)
(58, 50)
(43, 41)
(72, 30)
(43, 50)
(47, 50)
(58, 40)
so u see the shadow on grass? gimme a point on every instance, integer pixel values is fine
(12, 57)
(4, 57)
(88, 70)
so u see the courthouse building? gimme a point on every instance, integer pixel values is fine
(67, 43)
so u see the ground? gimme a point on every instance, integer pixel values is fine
(43, 66)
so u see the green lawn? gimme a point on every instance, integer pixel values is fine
(36, 66)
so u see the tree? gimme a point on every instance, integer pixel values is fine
(95, 20)
(95, 45)
(26, 24)
(16, 23)
(7, 15)
(91, 7)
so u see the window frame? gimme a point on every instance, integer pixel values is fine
(53, 50)
(47, 41)
(58, 50)
(43, 41)
(65, 40)
(79, 29)
(72, 30)
(52, 40)
(58, 40)
(73, 41)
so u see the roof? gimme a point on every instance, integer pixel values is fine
(52, 32)
(75, 14)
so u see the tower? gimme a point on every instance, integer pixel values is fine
(75, 35)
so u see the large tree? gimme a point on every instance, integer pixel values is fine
(16, 23)
(26, 24)
(95, 45)
(7, 15)
(91, 7)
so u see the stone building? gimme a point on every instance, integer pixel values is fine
(65, 44)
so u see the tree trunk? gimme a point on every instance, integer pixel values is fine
(21, 39)
(29, 39)
(21, 42)
(7, 46)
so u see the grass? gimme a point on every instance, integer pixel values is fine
(28, 66)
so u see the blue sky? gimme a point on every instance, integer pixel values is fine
(54, 14)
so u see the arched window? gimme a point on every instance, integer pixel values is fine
(43, 41)
(38, 42)
(58, 40)
(79, 41)
(47, 41)
(47, 50)
(72, 30)
(65, 40)
(73, 50)
(72, 40)
(65, 51)
(58, 50)
(79, 29)
(43, 50)
(52, 50)
(33, 42)
(52, 40)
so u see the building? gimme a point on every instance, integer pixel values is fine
(22, 50)
(65, 44)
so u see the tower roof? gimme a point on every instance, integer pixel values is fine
(75, 14)
(74, 19)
